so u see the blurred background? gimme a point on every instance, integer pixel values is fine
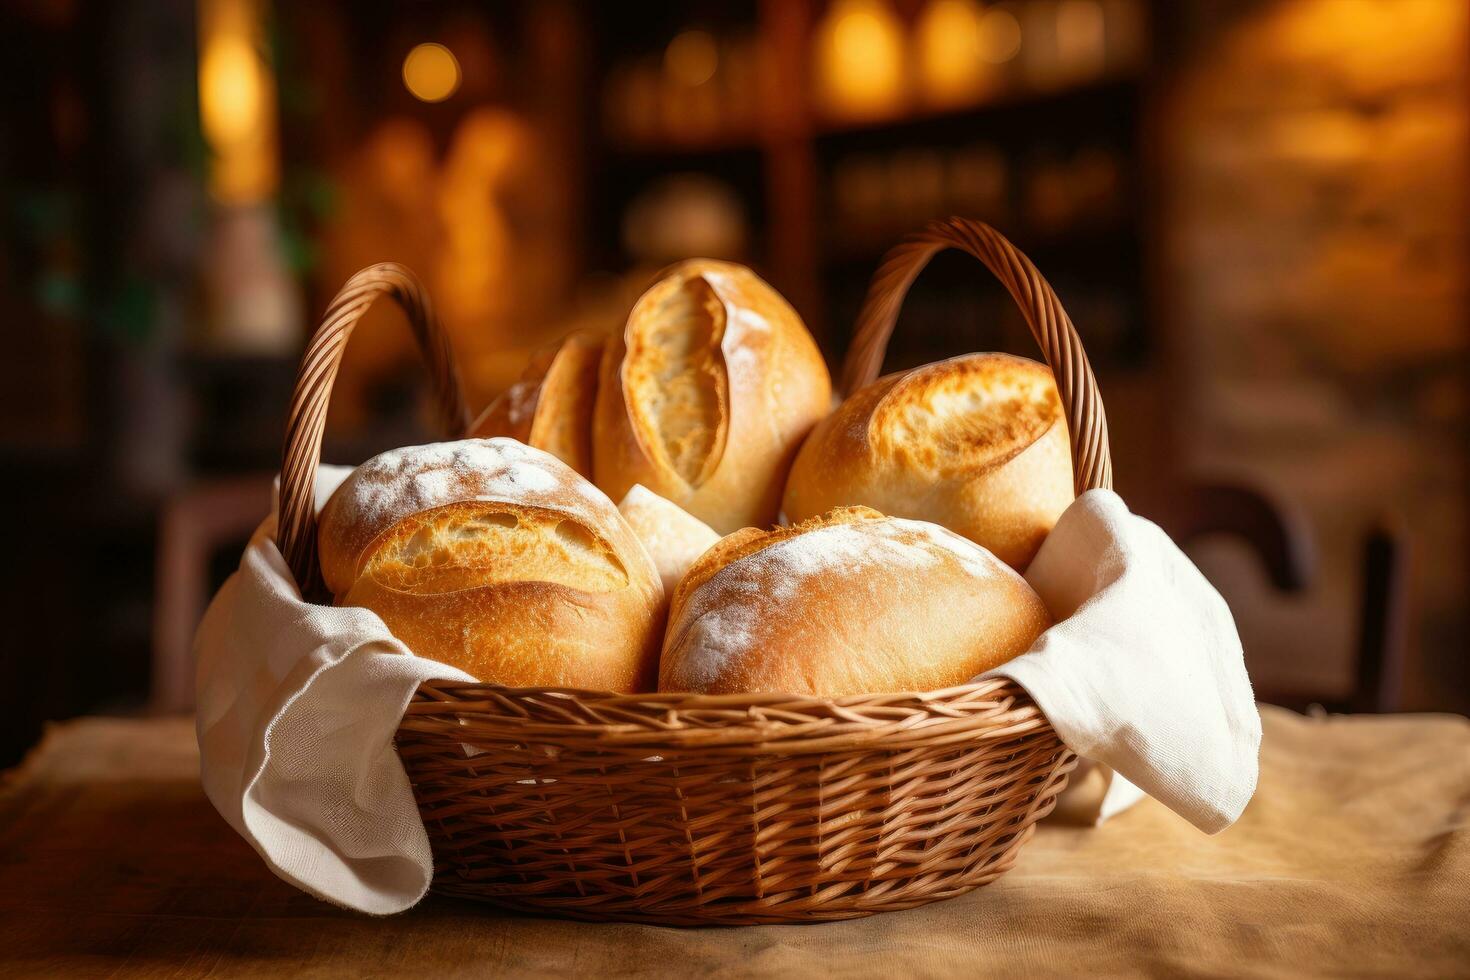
(1255, 213)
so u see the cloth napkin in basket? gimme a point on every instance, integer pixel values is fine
(1143, 672)
(298, 703)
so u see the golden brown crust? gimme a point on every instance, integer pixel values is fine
(706, 395)
(977, 444)
(496, 558)
(527, 634)
(675, 381)
(748, 540)
(474, 543)
(848, 603)
(966, 415)
(550, 406)
(394, 485)
(720, 554)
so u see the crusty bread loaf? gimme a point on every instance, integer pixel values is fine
(707, 394)
(496, 558)
(672, 536)
(976, 443)
(550, 407)
(849, 603)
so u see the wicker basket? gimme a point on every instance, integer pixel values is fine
(687, 809)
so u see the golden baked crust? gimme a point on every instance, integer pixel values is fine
(707, 393)
(977, 444)
(496, 558)
(748, 540)
(851, 602)
(550, 406)
(476, 543)
(966, 415)
(675, 380)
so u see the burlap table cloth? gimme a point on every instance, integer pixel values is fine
(1353, 859)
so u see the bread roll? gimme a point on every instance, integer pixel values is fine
(496, 558)
(672, 536)
(849, 603)
(706, 395)
(550, 407)
(976, 443)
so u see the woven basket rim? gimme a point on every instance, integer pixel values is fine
(993, 708)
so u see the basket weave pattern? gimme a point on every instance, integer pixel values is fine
(686, 809)
(681, 809)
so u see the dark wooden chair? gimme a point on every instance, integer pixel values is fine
(1279, 538)
(196, 524)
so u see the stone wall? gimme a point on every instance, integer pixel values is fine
(1315, 162)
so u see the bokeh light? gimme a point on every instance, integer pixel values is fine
(860, 59)
(236, 103)
(431, 72)
(950, 38)
(691, 58)
(230, 87)
(1002, 36)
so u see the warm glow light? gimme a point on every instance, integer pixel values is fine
(1001, 34)
(431, 72)
(236, 102)
(692, 58)
(230, 87)
(860, 59)
(951, 45)
(473, 281)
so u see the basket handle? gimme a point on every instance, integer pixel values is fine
(1092, 462)
(296, 530)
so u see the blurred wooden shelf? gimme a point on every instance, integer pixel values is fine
(922, 123)
(675, 151)
(932, 125)
(1105, 242)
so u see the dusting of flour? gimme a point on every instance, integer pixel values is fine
(405, 481)
(730, 615)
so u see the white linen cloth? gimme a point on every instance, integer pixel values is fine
(1143, 672)
(298, 703)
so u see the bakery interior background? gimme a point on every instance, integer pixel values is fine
(1255, 213)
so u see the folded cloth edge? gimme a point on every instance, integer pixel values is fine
(304, 854)
(1219, 782)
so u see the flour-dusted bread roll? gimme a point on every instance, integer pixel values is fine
(849, 603)
(976, 443)
(496, 558)
(550, 407)
(672, 536)
(707, 394)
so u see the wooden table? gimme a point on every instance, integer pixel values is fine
(1353, 859)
